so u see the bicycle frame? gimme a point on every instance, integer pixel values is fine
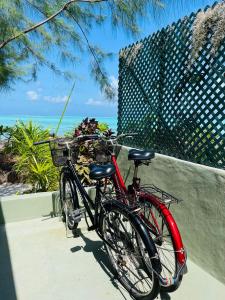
(117, 177)
(121, 187)
(85, 198)
(88, 202)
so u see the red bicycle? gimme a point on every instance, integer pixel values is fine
(152, 204)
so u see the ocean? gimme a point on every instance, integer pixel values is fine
(51, 122)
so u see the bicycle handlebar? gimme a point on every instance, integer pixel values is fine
(78, 138)
(41, 142)
(123, 135)
(89, 137)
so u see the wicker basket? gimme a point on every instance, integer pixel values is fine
(60, 153)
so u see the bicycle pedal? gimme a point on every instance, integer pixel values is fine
(77, 214)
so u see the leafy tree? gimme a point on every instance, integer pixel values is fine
(26, 42)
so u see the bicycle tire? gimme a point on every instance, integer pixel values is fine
(126, 233)
(159, 229)
(68, 198)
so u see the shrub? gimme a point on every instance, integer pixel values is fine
(34, 164)
(90, 151)
(92, 126)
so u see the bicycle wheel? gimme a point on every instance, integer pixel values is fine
(130, 250)
(162, 236)
(69, 199)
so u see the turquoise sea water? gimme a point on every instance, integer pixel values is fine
(51, 122)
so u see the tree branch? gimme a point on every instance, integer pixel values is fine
(65, 6)
(109, 90)
(88, 44)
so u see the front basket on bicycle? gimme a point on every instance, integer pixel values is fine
(60, 152)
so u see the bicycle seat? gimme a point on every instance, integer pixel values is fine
(135, 154)
(101, 171)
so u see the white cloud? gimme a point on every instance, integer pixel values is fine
(94, 102)
(100, 102)
(35, 95)
(56, 99)
(32, 95)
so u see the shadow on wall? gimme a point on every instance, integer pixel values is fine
(7, 286)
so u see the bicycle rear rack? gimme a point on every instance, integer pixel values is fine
(163, 196)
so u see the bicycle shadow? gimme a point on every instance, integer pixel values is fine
(164, 296)
(96, 248)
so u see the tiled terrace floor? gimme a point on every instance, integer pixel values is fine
(37, 261)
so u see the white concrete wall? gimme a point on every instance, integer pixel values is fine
(201, 216)
(25, 207)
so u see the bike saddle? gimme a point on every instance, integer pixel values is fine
(101, 171)
(135, 154)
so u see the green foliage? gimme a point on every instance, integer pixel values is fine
(83, 169)
(90, 151)
(66, 35)
(8, 70)
(92, 126)
(34, 164)
(206, 141)
(87, 126)
(69, 133)
(103, 127)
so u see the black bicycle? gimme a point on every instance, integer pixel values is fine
(131, 251)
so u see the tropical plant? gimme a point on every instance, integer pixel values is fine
(90, 151)
(30, 29)
(92, 126)
(34, 164)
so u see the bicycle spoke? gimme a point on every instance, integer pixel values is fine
(125, 254)
(162, 238)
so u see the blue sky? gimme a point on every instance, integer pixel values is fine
(47, 95)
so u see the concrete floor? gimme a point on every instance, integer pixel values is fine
(38, 261)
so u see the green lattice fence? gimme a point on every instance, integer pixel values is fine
(178, 108)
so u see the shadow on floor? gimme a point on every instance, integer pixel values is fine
(164, 296)
(96, 247)
(7, 285)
